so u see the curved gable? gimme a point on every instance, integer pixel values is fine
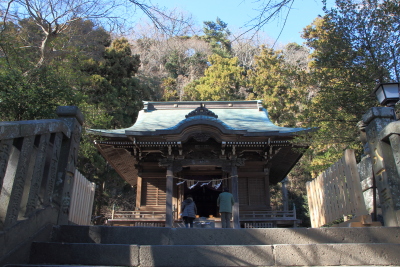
(247, 118)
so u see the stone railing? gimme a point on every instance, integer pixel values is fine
(37, 165)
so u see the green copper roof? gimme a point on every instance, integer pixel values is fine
(234, 117)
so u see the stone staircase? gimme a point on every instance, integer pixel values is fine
(147, 246)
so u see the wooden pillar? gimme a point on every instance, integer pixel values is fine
(267, 190)
(235, 193)
(139, 192)
(285, 199)
(169, 191)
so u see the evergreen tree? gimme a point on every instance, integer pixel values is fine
(170, 90)
(111, 84)
(31, 98)
(217, 34)
(353, 47)
(222, 81)
(278, 85)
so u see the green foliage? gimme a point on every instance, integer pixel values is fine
(297, 191)
(170, 91)
(86, 71)
(111, 85)
(352, 49)
(37, 97)
(17, 39)
(217, 33)
(278, 85)
(222, 81)
(174, 64)
(182, 63)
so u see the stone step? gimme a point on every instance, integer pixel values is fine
(58, 265)
(196, 236)
(350, 254)
(75, 265)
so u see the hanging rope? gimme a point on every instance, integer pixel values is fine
(180, 183)
(190, 187)
(216, 183)
(203, 184)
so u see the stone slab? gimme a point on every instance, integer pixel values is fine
(218, 236)
(337, 254)
(216, 255)
(55, 265)
(206, 256)
(84, 254)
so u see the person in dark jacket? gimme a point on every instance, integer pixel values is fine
(225, 202)
(189, 211)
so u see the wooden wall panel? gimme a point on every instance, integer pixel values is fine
(252, 191)
(153, 192)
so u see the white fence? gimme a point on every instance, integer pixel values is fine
(81, 200)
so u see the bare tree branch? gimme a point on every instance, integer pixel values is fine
(268, 11)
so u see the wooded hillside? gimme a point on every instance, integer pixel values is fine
(58, 52)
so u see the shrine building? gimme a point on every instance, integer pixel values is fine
(199, 148)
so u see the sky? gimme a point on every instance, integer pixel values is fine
(237, 12)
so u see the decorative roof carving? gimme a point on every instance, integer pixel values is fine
(201, 111)
(201, 137)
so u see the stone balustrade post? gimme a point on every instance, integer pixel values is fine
(381, 141)
(72, 116)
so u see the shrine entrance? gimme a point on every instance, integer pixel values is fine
(205, 199)
(205, 189)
